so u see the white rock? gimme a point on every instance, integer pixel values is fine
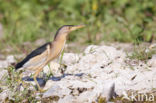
(90, 49)
(3, 64)
(56, 90)
(53, 68)
(87, 97)
(108, 91)
(106, 71)
(67, 99)
(152, 62)
(70, 58)
(48, 84)
(4, 95)
(10, 59)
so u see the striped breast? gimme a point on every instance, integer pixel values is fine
(57, 48)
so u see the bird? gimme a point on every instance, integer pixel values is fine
(49, 51)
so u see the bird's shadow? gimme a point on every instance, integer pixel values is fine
(42, 82)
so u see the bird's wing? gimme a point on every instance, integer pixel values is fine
(35, 57)
(36, 61)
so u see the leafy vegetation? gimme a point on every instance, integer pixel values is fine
(142, 53)
(17, 92)
(108, 20)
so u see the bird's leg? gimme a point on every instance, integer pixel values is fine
(35, 76)
(41, 68)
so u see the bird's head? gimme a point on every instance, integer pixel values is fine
(66, 29)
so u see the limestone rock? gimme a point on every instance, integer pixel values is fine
(106, 72)
(100, 71)
(3, 64)
(56, 91)
(4, 95)
(53, 68)
(9, 60)
(152, 62)
(70, 58)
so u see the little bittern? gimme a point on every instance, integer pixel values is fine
(41, 56)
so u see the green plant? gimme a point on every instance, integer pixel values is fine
(13, 84)
(142, 53)
(106, 20)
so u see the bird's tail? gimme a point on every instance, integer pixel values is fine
(18, 65)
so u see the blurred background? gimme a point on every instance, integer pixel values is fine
(132, 21)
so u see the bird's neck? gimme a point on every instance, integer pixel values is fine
(58, 44)
(61, 38)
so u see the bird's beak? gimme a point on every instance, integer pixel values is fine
(77, 27)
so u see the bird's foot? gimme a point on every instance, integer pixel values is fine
(42, 90)
(38, 86)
